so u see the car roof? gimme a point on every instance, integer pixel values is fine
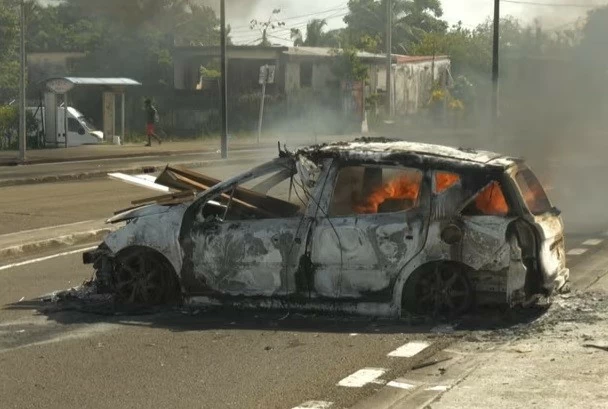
(404, 152)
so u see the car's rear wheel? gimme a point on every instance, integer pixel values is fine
(144, 277)
(439, 289)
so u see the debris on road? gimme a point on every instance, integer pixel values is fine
(431, 363)
(603, 347)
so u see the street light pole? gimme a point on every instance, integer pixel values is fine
(389, 59)
(223, 80)
(495, 65)
(22, 109)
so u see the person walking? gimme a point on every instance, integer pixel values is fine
(151, 121)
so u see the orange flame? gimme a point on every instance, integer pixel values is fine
(492, 201)
(445, 180)
(405, 187)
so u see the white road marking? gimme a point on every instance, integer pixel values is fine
(576, 252)
(409, 350)
(438, 388)
(39, 260)
(315, 404)
(400, 385)
(362, 377)
(592, 242)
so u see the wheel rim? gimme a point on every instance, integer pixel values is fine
(445, 290)
(140, 279)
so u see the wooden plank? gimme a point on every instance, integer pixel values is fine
(178, 195)
(227, 197)
(273, 205)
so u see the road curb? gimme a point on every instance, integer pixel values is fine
(103, 174)
(135, 155)
(69, 240)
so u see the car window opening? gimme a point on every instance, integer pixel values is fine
(445, 180)
(372, 190)
(282, 196)
(533, 193)
(490, 201)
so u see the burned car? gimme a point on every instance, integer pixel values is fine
(373, 226)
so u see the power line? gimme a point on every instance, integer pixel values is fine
(306, 15)
(533, 3)
(249, 33)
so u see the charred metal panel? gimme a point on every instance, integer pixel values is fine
(516, 280)
(256, 258)
(158, 230)
(485, 242)
(552, 253)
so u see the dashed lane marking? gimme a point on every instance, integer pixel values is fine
(438, 388)
(362, 377)
(409, 350)
(593, 242)
(400, 385)
(39, 260)
(576, 252)
(314, 404)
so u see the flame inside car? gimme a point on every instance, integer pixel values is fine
(445, 180)
(403, 187)
(491, 201)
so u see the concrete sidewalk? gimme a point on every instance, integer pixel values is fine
(100, 152)
(28, 242)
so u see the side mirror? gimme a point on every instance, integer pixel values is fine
(81, 131)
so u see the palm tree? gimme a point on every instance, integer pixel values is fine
(314, 33)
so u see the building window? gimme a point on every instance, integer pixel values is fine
(306, 74)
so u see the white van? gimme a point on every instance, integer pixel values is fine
(80, 130)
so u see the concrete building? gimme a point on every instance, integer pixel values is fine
(310, 68)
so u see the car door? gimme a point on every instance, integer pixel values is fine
(234, 248)
(372, 225)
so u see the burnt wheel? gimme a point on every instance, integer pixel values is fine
(442, 289)
(144, 277)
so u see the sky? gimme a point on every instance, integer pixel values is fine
(295, 13)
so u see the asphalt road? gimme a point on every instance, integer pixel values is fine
(183, 358)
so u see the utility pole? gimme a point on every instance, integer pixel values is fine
(22, 79)
(495, 66)
(389, 58)
(223, 80)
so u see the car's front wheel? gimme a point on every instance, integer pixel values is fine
(144, 277)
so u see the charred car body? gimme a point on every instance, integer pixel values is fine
(373, 226)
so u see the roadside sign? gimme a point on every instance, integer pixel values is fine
(59, 85)
(271, 71)
(267, 73)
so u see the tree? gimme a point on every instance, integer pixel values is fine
(264, 26)
(367, 20)
(133, 39)
(9, 50)
(315, 36)
(348, 66)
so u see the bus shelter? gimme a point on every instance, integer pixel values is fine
(58, 89)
